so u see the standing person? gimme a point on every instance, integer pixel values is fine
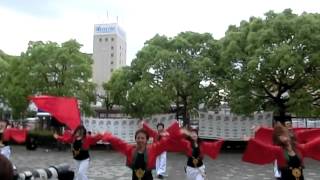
(276, 170)
(80, 149)
(161, 161)
(289, 155)
(195, 149)
(4, 144)
(141, 156)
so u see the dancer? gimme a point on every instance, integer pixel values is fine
(288, 125)
(195, 149)
(289, 155)
(80, 149)
(298, 135)
(161, 161)
(141, 157)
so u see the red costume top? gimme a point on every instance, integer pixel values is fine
(87, 141)
(15, 134)
(152, 150)
(259, 152)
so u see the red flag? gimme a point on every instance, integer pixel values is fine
(64, 109)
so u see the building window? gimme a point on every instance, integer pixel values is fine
(112, 47)
(111, 54)
(100, 39)
(120, 47)
(112, 39)
(106, 39)
(111, 62)
(120, 54)
(111, 70)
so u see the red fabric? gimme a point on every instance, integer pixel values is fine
(264, 135)
(153, 150)
(17, 135)
(66, 137)
(210, 149)
(172, 128)
(258, 152)
(311, 149)
(303, 135)
(295, 130)
(64, 109)
(174, 133)
(307, 135)
(87, 141)
(152, 133)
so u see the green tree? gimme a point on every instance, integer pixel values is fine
(3, 73)
(183, 67)
(4, 65)
(273, 63)
(137, 97)
(60, 70)
(15, 87)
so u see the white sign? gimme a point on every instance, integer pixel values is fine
(124, 128)
(101, 29)
(305, 123)
(211, 126)
(230, 127)
(105, 28)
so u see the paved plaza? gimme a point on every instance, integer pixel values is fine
(110, 165)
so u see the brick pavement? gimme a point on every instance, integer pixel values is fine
(110, 165)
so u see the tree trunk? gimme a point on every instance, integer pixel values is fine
(177, 109)
(281, 115)
(186, 120)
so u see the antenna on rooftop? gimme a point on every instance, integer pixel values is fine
(107, 16)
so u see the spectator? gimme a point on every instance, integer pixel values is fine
(6, 170)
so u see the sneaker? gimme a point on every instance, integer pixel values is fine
(160, 176)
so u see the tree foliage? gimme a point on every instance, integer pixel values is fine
(50, 69)
(14, 86)
(137, 96)
(177, 70)
(60, 70)
(273, 63)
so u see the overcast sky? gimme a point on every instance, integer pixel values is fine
(60, 20)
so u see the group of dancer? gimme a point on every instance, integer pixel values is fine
(284, 146)
(143, 157)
